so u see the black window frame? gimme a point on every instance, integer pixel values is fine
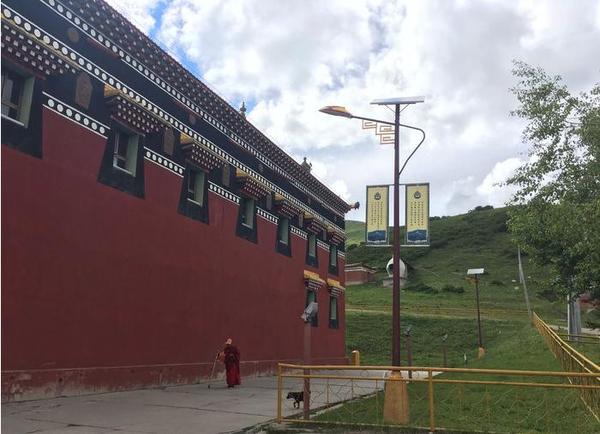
(314, 321)
(23, 131)
(16, 92)
(310, 259)
(190, 207)
(280, 246)
(243, 230)
(131, 182)
(334, 323)
(333, 268)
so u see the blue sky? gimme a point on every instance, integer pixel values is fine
(287, 59)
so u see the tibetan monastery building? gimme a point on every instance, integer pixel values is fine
(144, 219)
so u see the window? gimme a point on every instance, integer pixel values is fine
(125, 151)
(312, 245)
(248, 212)
(17, 92)
(310, 297)
(283, 231)
(12, 87)
(193, 200)
(123, 163)
(246, 227)
(333, 313)
(311, 251)
(333, 259)
(283, 244)
(195, 186)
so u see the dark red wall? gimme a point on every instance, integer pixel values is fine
(110, 287)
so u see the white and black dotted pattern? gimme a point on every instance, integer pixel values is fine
(297, 231)
(224, 193)
(266, 215)
(323, 245)
(75, 115)
(154, 77)
(160, 160)
(140, 100)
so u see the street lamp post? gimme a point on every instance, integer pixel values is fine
(397, 103)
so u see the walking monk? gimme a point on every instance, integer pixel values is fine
(231, 358)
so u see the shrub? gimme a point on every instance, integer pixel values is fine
(421, 287)
(452, 288)
(497, 282)
(548, 294)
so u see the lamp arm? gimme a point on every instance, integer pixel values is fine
(414, 150)
(402, 125)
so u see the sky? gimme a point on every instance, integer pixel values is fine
(288, 58)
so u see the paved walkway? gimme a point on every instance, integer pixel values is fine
(177, 410)
(180, 409)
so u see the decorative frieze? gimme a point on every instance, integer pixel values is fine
(75, 115)
(76, 59)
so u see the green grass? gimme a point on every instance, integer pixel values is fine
(509, 345)
(371, 334)
(475, 239)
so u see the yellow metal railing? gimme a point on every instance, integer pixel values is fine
(448, 398)
(573, 361)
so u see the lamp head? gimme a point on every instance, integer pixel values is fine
(336, 110)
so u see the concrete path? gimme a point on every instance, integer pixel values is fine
(189, 409)
(177, 410)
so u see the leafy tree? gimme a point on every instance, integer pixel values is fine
(556, 217)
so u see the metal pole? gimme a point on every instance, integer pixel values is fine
(279, 393)
(307, 361)
(396, 265)
(522, 281)
(409, 353)
(480, 339)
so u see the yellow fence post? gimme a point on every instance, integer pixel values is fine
(431, 413)
(279, 390)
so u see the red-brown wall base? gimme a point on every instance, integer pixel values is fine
(52, 383)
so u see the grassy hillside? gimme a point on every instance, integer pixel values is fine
(473, 240)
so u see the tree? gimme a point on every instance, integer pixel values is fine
(556, 213)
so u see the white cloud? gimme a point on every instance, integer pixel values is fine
(139, 12)
(288, 58)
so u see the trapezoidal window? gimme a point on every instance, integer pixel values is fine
(333, 312)
(123, 163)
(283, 236)
(246, 227)
(125, 151)
(311, 250)
(21, 110)
(193, 202)
(333, 259)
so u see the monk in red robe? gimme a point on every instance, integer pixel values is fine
(231, 358)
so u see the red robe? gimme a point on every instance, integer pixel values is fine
(232, 365)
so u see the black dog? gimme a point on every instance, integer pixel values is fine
(298, 397)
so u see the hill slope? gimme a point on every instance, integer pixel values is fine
(478, 239)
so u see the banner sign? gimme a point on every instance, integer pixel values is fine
(417, 214)
(376, 228)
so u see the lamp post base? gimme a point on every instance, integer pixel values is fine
(395, 406)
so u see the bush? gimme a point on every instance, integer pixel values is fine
(453, 289)
(497, 282)
(421, 287)
(548, 294)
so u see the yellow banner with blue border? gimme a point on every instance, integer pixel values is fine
(377, 219)
(417, 214)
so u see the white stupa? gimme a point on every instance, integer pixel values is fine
(403, 271)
